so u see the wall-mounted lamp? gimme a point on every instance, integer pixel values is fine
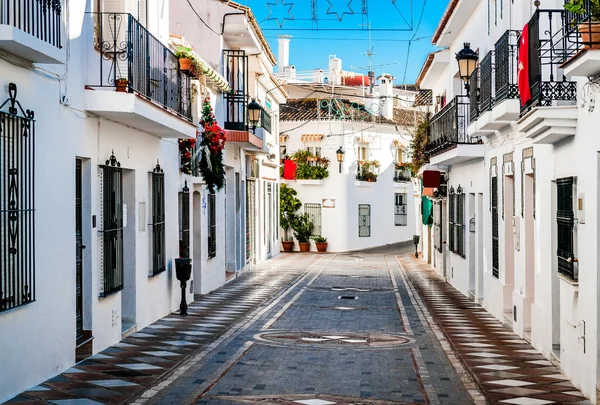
(254, 114)
(467, 62)
(340, 156)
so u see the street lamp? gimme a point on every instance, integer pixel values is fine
(254, 114)
(467, 62)
(340, 156)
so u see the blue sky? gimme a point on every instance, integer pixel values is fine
(310, 48)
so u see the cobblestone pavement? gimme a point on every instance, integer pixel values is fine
(314, 329)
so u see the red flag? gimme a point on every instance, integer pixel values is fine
(289, 169)
(523, 67)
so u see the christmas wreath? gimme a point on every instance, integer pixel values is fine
(211, 149)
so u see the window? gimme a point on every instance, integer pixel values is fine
(400, 215)
(184, 238)
(314, 214)
(363, 153)
(212, 226)
(399, 155)
(364, 220)
(495, 240)
(314, 150)
(282, 150)
(565, 227)
(158, 222)
(17, 208)
(438, 232)
(112, 228)
(456, 223)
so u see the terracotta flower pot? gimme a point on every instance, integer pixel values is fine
(185, 64)
(321, 247)
(121, 86)
(288, 245)
(590, 34)
(304, 246)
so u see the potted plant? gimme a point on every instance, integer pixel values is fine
(590, 28)
(303, 228)
(288, 205)
(321, 243)
(121, 85)
(186, 58)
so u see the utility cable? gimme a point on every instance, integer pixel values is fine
(200, 18)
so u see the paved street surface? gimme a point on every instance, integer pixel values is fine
(315, 329)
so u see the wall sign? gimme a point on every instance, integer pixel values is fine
(328, 203)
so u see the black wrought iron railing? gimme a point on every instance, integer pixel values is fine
(402, 175)
(265, 120)
(474, 95)
(449, 127)
(486, 71)
(505, 66)
(131, 56)
(547, 51)
(40, 18)
(236, 73)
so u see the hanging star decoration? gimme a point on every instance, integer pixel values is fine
(338, 13)
(278, 6)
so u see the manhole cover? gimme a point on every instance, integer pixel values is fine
(336, 340)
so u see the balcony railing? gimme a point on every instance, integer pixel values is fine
(402, 175)
(474, 95)
(506, 63)
(40, 18)
(128, 51)
(547, 51)
(449, 127)
(486, 96)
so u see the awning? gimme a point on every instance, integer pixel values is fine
(311, 138)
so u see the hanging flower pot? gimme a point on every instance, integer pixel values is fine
(185, 64)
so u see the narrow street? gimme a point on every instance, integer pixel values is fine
(320, 329)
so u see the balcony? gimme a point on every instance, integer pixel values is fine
(449, 141)
(402, 174)
(32, 30)
(135, 79)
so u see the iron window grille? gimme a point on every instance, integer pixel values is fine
(112, 227)
(495, 230)
(212, 225)
(127, 50)
(17, 203)
(314, 214)
(459, 224)
(158, 221)
(451, 218)
(400, 210)
(364, 220)
(184, 237)
(41, 19)
(565, 221)
(236, 73)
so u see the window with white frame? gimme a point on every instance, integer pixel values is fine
(400, 209)
(363, 153)
(314, 150)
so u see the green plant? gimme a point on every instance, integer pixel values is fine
(288, 205)
(184, 52)
(580, 7)
(367, 171)
(418, 145)
(303, 227)
(122, 80)
(319, 238)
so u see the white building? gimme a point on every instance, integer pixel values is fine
(366, 200)
(93, 203)
(522, 237)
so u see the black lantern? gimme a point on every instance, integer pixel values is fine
(467, 62)
(340, 156)
(254, 114)
(459, 190)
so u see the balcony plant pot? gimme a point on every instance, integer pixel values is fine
(183, 269)
(288, 245)
(121, 85)
(185, 64)
(321, 247)
(304, 246)
(590, 34)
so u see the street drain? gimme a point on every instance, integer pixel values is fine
(357, 289)
(347, 297)
(334, 340)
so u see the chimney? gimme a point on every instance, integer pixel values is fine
(318, 76)
(335, 70)
(386, 89)
(283, 58)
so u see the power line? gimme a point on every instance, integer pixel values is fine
(200, 18)
(357, 39)
(410, 42)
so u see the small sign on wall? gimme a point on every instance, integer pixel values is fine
(328, 203)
